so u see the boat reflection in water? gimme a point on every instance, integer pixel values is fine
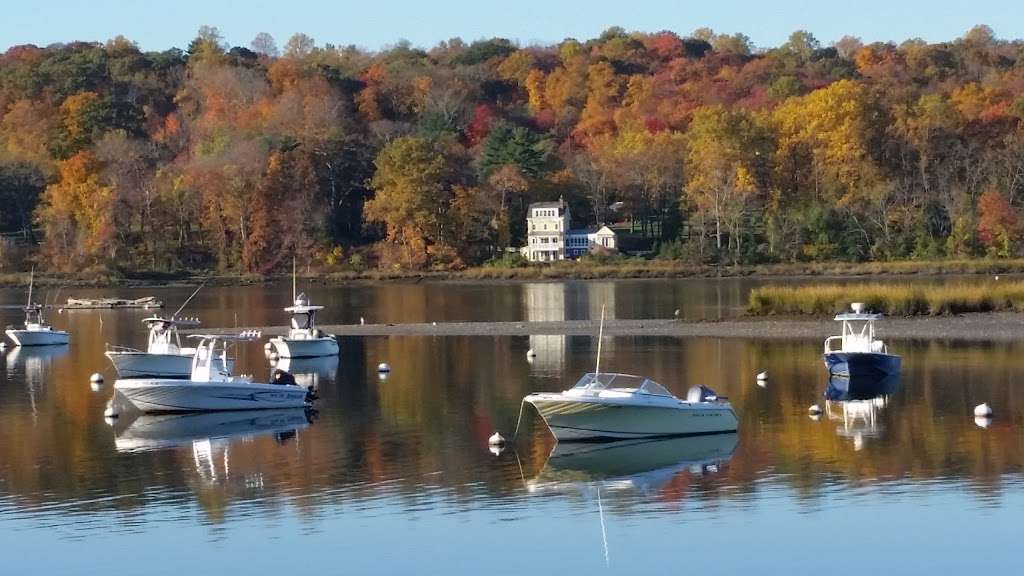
(641, 464)
(163, 431)
(857, 404)
(36, 363)
(309, 371)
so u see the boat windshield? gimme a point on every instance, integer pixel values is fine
(621, 383)
(302, 321)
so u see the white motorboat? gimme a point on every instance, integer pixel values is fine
(609, 406)
(164, 356)
(36, 331)
(604, 406)
(211, 387)
(304, 339)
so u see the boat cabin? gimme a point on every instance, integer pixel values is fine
(594, 384)
(163, 334)
(858, 334)
(34, 318)
(210, 362)
(303, 321)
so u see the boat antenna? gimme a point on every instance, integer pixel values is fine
(294, 292)
(31, 279)
(189, 299)
(600, 336)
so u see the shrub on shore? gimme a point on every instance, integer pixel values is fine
(893, 299)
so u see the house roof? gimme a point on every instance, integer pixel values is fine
(547, 205)
(592, 230)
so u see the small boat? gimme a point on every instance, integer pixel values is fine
(210, 387)
(164, 356)
(860, 354)
(304, 339)
(606, 406)
(36, 331)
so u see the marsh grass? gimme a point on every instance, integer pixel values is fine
(892, 299)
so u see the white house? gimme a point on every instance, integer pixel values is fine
(548, 237)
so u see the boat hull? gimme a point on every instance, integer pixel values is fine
(147, 365)
(862, 364)
(593, 419)
(38, 337)
(312, 348)
(163, 395)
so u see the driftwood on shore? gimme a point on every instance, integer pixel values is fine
(98, 303)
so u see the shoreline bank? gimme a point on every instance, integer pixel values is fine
(625, 270)
(992, 327)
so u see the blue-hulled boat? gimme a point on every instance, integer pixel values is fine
(859, 353)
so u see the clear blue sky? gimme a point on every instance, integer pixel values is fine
(376, 23)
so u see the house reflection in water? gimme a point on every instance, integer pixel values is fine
(558, 302)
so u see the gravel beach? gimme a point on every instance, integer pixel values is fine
(999, 327)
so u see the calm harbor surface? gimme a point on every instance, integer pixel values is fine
(395, 475)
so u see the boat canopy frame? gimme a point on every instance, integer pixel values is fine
(858, 332)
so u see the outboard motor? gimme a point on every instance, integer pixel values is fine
(283, 378)
(701, 393)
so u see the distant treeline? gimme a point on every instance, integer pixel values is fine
(237, 158)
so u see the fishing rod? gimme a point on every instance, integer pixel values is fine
(189, 299)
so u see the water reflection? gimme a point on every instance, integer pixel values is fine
(385, 457)
(557, 302)
(146, 432)
(309, 371)
(643, 465)
(855, 403)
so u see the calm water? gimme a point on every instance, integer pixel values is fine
(394, 476)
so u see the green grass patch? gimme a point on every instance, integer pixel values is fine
(892, 299)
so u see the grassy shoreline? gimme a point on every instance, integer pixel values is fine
(613, 270)
(891, 299)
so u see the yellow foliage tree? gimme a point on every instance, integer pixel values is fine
(77, 215)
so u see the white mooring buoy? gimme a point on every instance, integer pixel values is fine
(496, 439)
(95, 387)
(96, 378)
(383, 368)
(110, 412)
(762, 375)
(983, 410)
(814, 410)
(273, 356)
(268, 346)
(982, 421)
(531, 353)
(362, 321)
(3, 346)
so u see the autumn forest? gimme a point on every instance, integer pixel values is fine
(701, 148)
